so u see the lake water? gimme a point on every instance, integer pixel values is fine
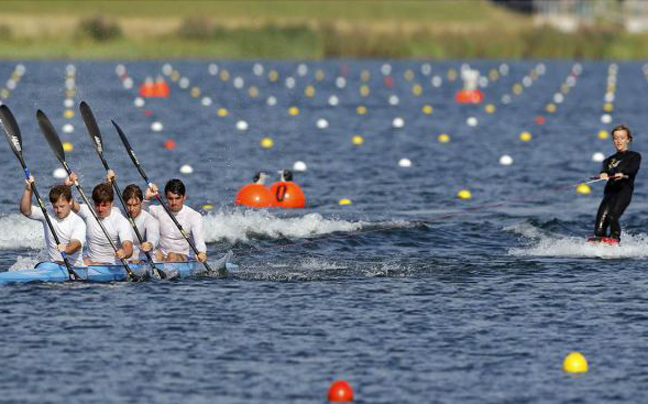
(410, 294)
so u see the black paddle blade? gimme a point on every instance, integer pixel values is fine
(129, 150)
(50, 135)
(11, 129)
(91, 124)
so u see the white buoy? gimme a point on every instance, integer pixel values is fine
(186, 169)
(472, 121)
(139, 102)
(322, 123)
(393, 100)
(526, 81)
(506, 99)
(398, 122)
(206, 101)
(598, 157)
(11, 84)
(405, 163)
(570, 81)
(157, 126)
(426, 69)
(70, 70)
(290, 82)
(59, 173)
(167, 69)
(128, 83)
(386, 69)
(68, 128)
(609, 97)
(184, 83)
(68, 103)
(241, 125)
(239, 82)
(302, 69)
(213, 69)
(20, 69)
(340, 82)
(272, 101)
(258, 69)
(506, 160)
(70, 84)
(558, 98)
(333, 100)
(120, 70)
(299, 166)
(606, 118)
(436, 81)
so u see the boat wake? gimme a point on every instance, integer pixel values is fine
(542, 243)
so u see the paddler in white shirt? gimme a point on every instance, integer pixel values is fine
(147, 225)
(173, 246)
(69, 227)
(99, 249)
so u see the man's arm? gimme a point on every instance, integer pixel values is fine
(26, 200)
(70, 181)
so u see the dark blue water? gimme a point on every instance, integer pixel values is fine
(411, 294)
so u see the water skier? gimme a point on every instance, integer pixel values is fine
(620, 169)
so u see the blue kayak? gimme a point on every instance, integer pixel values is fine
(56, 272)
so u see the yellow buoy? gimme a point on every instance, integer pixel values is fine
(427, 109)
(489, 108)
(517, 89)
(309, 91)
(222, 112)
(409, 75)
(208, 207)
(365, 91)
(294, 111)
(417, 90)
(345, 202)
(4, 93)
(195, 92)
(175, 75)
(452, 75)
(583, 189)
(564, 89)
(603, 134)
(70, 93)
(267, 143)
(273, 75)
(464, 194)
(551, 108)
(68, 114)
(361, 110)
(253, 91)
(365, 75)
(357, 140)
(319, 75)
(493, 74)
(575, 362)
(224, 75)
(67, 146)
(608, 107)
(443, 138)
(525, 136)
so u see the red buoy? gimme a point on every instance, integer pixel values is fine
(170, 144)
(287, 195)
(540, 120)
(469, 96)
(254, 196)
(340, 391)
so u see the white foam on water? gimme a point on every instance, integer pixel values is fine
(240, 225)
(20, 232)
(544, 244)
(27, 262)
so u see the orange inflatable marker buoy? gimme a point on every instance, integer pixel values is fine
(286, 194)
(469, 96)
(340, 391)
(255, 195)
(147, 89)
(161, 88)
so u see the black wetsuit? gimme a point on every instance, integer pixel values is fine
(618, 193)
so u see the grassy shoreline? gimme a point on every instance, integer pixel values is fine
(298, 29)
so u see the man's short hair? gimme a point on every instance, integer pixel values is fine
(102, 193)
(175, 186)
(60, 191)
(132, 191)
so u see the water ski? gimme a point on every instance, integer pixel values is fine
(604, 240)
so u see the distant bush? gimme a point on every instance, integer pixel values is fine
(363, 44)
(196, 28)
(99, 28)
(5, 32)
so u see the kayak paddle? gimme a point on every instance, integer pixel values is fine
(12, 132)
(97, 142)
(133, 157)
(55, 143)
